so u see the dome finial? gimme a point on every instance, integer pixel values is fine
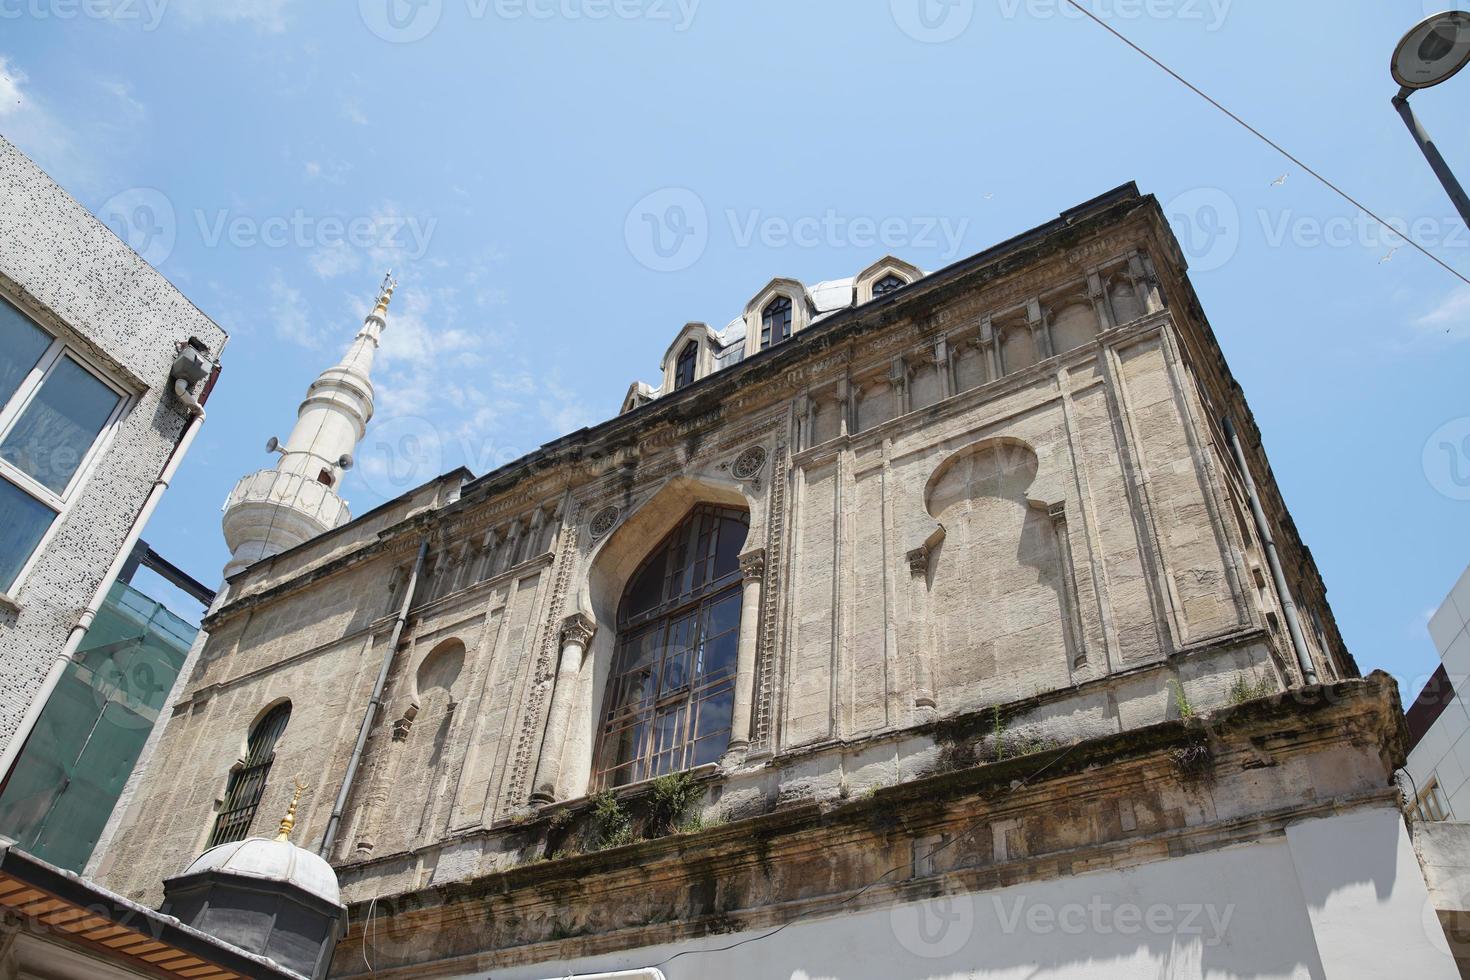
(289, 820)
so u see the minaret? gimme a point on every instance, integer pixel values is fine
(276, 509)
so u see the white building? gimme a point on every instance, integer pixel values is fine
(1439, 720)
(104, 368)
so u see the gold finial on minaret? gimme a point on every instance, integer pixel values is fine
(385, 293)
(289, 820)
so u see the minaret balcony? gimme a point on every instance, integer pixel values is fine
(280, 510)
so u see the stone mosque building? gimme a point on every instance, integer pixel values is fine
(914, 625)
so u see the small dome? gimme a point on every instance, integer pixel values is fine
(271, 860)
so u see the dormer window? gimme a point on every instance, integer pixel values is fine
(684, 367)
(887, 285)
(776, 321)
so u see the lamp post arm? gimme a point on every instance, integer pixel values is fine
(1432, 154)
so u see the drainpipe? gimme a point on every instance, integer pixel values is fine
(376, 702)
(89, 615)
(1268, 542)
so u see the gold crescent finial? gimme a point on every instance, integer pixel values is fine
(385, 293)
(289, 820)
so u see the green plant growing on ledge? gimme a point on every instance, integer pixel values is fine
(671, 797)
(1249, 689)
(1181, 700)
(613, 822)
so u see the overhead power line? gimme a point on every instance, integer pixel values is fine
(1267, 140)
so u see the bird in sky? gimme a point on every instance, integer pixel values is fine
(1389, 256)
(1280, 180)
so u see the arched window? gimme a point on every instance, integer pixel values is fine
(671, 691)
(776, 321)
(247, 783)
(684, 367)
(887, 285)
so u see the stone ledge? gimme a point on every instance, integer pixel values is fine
(1113, 801)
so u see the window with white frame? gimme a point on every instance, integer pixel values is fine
(54, 412)
(1431, 803)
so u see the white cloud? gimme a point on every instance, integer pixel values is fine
(288, 311)
(11, 80)
(354, 114)
(331, 261)
(267, 15)
(1449, 321)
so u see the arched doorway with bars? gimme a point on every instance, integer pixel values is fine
(669, 695)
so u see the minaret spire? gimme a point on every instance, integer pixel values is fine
(272, 510)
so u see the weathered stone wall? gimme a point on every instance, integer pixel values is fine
(1003, 501)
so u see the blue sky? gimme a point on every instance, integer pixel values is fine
(273, 157)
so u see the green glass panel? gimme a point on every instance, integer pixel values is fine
(91, 732)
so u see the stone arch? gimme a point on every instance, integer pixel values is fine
(1073, 325)
(999, 593)
(888, 265)
(609, 567)
(1017, 346)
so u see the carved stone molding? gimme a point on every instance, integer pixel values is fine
(753, 564)
(749, 463)
(604, 521)
(578, 629)
(919, 560)
(761, 729)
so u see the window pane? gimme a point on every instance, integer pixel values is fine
(21, 345)
(23, 520)
(60, 424)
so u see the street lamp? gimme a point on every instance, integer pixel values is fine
(1433, 52)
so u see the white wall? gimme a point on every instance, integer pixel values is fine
(1444, 751)
(1340, 897)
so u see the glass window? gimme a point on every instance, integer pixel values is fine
(21, 345)
(887, 285)
(671, 693)
(23, 522)
(247, 783)
(776, 322)
(57, 429)
(684, 368)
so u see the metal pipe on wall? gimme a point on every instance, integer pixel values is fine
(374, 703)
